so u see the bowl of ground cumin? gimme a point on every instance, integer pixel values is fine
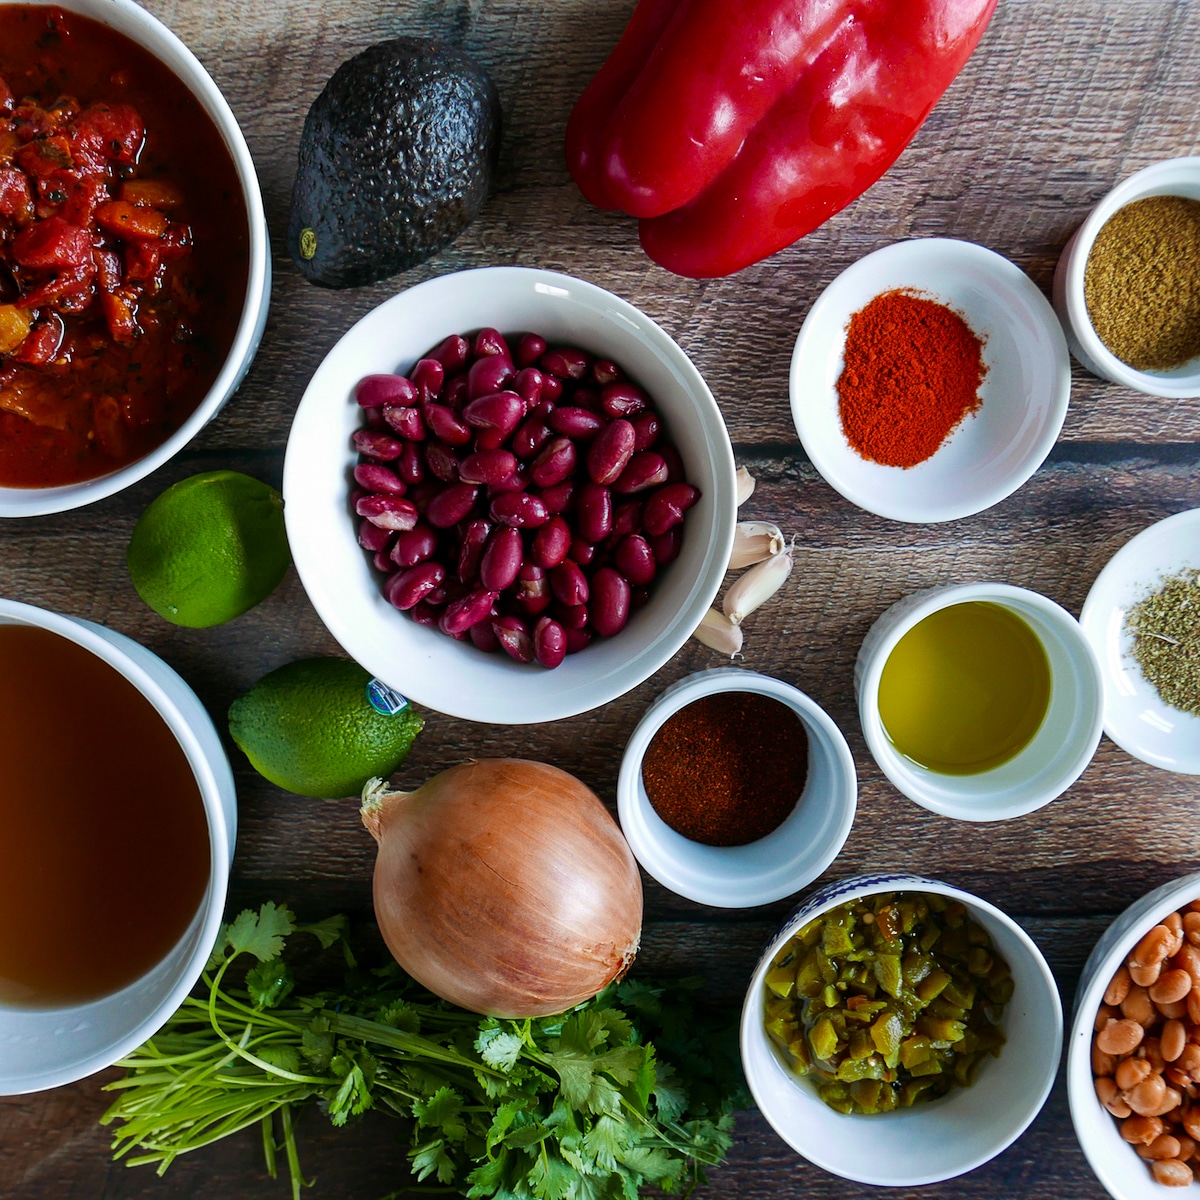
(930, 380)
(1127, 285)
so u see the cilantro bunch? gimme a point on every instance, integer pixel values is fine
(634, 1087)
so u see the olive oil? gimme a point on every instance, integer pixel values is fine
(104, 846)
(966, 689)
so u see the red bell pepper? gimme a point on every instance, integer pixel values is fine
(732, 129)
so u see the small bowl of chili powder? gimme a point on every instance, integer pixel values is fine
(736, 789)
(930, 380)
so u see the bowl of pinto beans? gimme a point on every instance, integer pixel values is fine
(134, 273)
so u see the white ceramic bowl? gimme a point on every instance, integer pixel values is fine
(423, 664)
(942, 1138)
(1117, 1166)
(1134, 716)
(773, 867)
(1173, 177)
(139, 26)
(1024, 392)
(1060, 750)
(47, 1048)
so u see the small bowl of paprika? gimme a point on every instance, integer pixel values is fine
(736, 789)
(930, 380)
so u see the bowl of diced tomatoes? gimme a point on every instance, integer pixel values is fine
(134, 268)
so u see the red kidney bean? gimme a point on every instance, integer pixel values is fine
(578, 639)
(460, 615)
(627, 519)
(357, 494)
(531, 437)
(558, 499)
(584, 553)
(377, 478)
(570, 616)
(453, 353)
(552, 389)
(379, 446)
(451, 504)
(532, 594)
(530, 348)
(377, 391)
(622, 399)
(593, 512)
(489, 375)
(523, 510)
(455, 394)
(549, 642)
(646, 428)
(447, 592)
(406, 588)
(443, 423)
(424, 613)
(501, 558)
(555, 463)
(576, 422)
(675, 471)
(487, 466)
(528, 385)
(589, 400)
(515, 481)
(470, 549)
(645, 470)
(666, 546)
(605, 371)
(407, 422)
(569, 584)
(609, 605)
(635, 560)
(665, 508)
(413, 546)
(411, 464)
(513, 636)
(501, 411)
(490, 341)
(610, 453)
(374, 420)
(566, 362)
(442, 462)
(484, 636)
(383, 562)
(388, 512)
(421, 493)
(373, 537)
(427, 377)
(551, 543)
(639, 597)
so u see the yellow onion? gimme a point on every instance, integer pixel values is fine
(504, 886)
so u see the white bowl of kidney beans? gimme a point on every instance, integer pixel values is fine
(510, 495)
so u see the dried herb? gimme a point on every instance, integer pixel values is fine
(1165, 627)
(1142, 283)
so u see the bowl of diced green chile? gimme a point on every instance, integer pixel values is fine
(924, 1124)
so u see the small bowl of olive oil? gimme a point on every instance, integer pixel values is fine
(979, 701)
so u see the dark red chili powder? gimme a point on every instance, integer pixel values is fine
(728, 768)
(912, 372)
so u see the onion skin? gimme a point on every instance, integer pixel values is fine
(505, 887)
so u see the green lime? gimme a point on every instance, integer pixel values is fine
(209, 548)
(308, 727)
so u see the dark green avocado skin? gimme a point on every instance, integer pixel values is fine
(396, 159)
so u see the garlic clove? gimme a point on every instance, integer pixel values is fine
(745, 486)
(754, 541)
(756, 587)
(719, 633)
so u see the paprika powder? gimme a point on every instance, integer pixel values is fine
(728, 768)
(912, 372)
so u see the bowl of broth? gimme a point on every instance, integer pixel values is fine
(979, 701)
(117, 823)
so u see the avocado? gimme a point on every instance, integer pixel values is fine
(396, 159)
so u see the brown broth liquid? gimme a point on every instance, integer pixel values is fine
(104, 845)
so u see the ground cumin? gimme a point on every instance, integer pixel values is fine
(912, 372)
(728, 768)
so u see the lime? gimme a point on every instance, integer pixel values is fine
(209, 548)
(308, 727)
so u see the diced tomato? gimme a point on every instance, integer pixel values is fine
(16, 200)
(31, 121)
(43, 342)
(108, 268)
(127, 221)
(120, 311)
(142, 262)
(66, 283)
(176, 242)
(6, 99)
(45, 156)
(109, 133)
(52, 245)
(84, 195)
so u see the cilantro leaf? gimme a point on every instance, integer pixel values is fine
(430, 1157)
(499, 1049)
(550, 1178)
(261, 933)
(269, 983)
(442, 1111)
(327, 931)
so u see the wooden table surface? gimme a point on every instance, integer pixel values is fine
(1062, 99)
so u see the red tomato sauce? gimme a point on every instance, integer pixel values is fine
(124, 249)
